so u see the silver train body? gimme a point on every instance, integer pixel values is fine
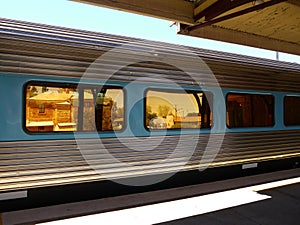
(40, 54)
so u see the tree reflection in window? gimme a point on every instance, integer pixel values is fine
(177, 110)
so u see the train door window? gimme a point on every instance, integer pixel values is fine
(68, 108)
(292, 111)
(173, 110)
(249, 110)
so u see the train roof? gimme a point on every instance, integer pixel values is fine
(13, 30)
(51, 51)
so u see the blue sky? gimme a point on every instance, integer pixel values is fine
(87, 17)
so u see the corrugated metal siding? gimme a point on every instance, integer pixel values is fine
(28, 48)
(29, 164)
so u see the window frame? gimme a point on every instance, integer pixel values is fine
(69, 85)
(184, 91)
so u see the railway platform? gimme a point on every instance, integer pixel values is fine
(277, 205)
(282, 207)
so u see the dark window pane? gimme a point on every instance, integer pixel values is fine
(291, 111)
(249, 110)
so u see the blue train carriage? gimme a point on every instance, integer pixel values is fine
(87, 115)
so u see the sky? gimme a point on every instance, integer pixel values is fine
(87, 17)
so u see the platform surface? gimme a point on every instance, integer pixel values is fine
(253, 200)
(283, 208)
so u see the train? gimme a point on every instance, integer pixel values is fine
(85, 115)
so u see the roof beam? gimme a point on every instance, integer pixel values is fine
(238, 37)
(235, 14)
(174, 10)
(294, 2)
(217, 8)
(203, 6)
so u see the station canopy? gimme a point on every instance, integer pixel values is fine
(267, 24)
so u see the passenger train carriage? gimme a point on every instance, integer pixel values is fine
(79, 109)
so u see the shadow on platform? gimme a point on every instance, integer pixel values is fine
(282, 209)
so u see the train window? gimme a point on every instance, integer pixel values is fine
(249, 110)
(292, 111)
(173, 110)
(68, 108)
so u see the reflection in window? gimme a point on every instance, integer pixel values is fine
(42, 108)
(292, 111)
(250, 110)
(171, 110)
(57, 108)
(109, 110)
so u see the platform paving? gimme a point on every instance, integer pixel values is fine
(282, 209)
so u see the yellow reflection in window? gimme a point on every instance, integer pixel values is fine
(109, 110)
(50, 109)
(58, 109)
(171, 110)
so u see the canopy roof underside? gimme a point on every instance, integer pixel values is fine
(268, 24)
